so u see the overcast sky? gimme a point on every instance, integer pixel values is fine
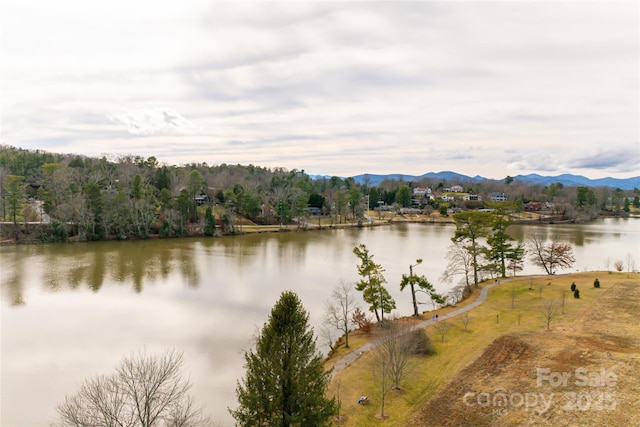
(336, 88)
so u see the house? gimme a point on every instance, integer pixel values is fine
(456, 189)
(313, 211)
(422, 191)
(498, 197)
(447, 198)
(468, 197)
(533, 206)
(201, 199)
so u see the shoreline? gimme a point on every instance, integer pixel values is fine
(245, 229)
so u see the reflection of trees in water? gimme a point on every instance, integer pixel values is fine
(12, 272)
(98, 271)
(578, 236)
(139, 262)
(402, 229)
(95, 265)
(186, 264)
(291, 247)
(562, 233)
(517, 232)
(72, 266)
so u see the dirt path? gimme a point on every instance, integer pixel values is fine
(348, 359)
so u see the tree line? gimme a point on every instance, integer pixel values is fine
(128, 196)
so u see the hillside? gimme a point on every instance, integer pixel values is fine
(598, 353)
(594, 345)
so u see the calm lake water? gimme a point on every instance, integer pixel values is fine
(70, 311)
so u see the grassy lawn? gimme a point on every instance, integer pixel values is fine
(513, 307)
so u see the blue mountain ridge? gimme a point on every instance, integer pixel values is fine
(451, 178)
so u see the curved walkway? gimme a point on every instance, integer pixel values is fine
(349, 358)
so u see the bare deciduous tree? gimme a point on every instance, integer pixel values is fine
(552, 255)
(338, 310)
(465, 319)
(381, 376)
(146, 390)
(398, 345)
(391, 359)
(327, 335)
(619, 266)
(459, 264)
(442, 328)
(456, 294)
(540, 289)
(630, 263)
(549, 312)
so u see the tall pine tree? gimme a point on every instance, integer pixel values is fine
(471, 227)
(285, 381)
(371, 284)
(500, 248)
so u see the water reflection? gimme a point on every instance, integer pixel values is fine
(576, 234)
(206, 296)
(146, 263)
(12, 273)
(72, 266)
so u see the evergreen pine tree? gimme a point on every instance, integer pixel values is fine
(285, 381)
(209, 222)
(371, 284)
(471, 227)
(500, 248)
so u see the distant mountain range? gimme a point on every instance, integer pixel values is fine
(456, 178)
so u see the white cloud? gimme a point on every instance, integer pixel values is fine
(414, 83)
(152, 121)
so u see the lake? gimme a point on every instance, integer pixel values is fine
(70, 311)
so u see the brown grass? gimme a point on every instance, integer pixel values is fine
(598, 331)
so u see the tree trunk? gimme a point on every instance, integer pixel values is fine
(415, 304)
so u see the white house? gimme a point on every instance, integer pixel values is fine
(422, 191)
(456, 189)
(471, 197)
(498, 197)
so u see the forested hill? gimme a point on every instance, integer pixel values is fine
(130, 196)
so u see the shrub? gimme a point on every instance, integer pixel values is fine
(420, 344)
(362, 320)
(596, 283)
(573, 287)
(576, 294)
(165, 229)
